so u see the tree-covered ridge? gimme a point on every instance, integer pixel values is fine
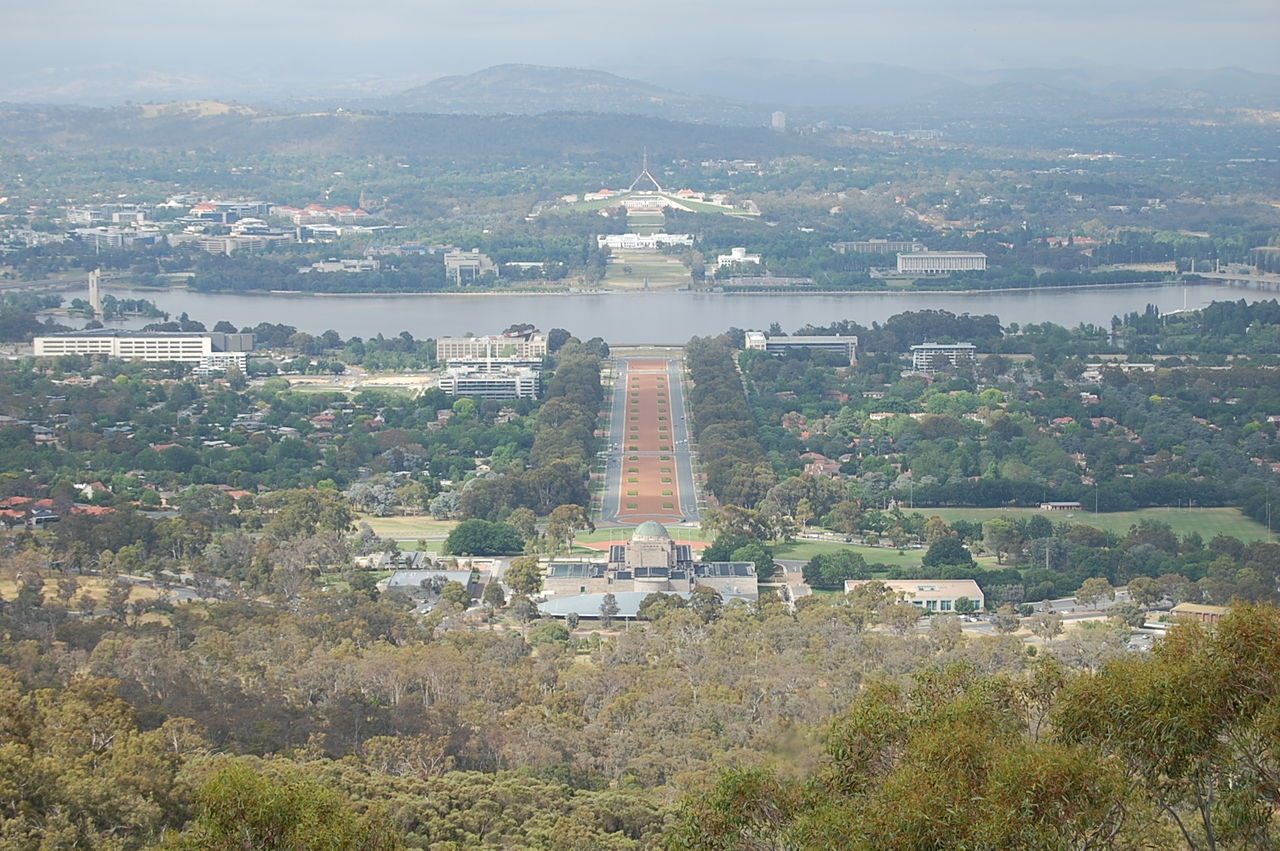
(1173, 750)
(386, 729)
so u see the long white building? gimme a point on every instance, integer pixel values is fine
(941, 262)
(932, 595)
(760, 341)
(878, 246)
(635, 241)
(209, 350)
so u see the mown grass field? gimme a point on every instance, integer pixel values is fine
(1207, 521)
(805, 550)
(660, 270)
(703, 207)
(646, 222)
(408, 528)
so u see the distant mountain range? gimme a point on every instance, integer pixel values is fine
(734, 93)
(746, 93)
(861, 85)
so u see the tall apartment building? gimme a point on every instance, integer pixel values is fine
(941, 262)
(930, 357)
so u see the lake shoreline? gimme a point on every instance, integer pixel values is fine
(669, 319)
(673, 290)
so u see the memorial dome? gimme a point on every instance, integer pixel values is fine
(651, 530)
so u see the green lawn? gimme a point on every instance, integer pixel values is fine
(659, 269)
(646, 222)
(581, 207)
(408, 528)
(805, 550)
(1207, 521)
(703, 207)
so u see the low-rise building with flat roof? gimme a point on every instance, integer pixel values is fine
(1200, 612)
(508, 382)
(878, 246)
(207, 349)
(344, 264)
(524, 346)
(637, 241)
(932, 595)
(941, 262)
(760, 341)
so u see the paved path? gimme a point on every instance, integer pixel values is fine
(648, 442)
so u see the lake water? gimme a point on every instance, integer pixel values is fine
(663, 317)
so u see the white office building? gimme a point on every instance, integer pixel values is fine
(506, 383)
(464, 266)
(760, 341)
(877, 246)
(930, 357)
(208, 350)
(941, 262)
(527, 346)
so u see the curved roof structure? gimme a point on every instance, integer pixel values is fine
(651, 530)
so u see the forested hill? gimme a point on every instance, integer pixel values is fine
(547, 136)
(531, 89)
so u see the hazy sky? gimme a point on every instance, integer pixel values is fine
(327, 40)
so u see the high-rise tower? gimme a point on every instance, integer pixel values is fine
(95, 294)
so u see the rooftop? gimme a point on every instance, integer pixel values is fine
(124, 332)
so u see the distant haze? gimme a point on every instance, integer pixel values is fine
(145, 50)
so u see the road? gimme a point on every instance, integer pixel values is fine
(54, 284)
(681, 452)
